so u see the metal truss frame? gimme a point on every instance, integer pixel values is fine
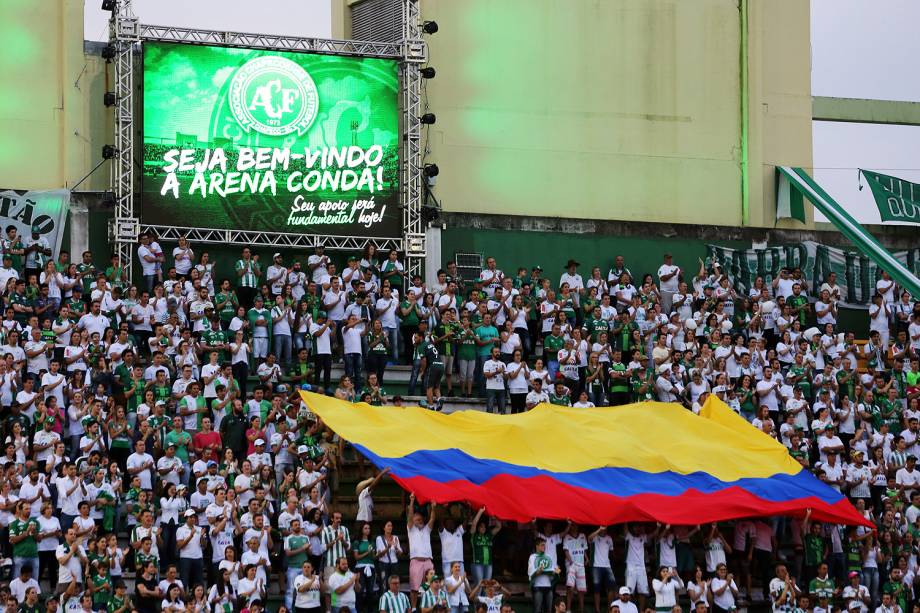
(125, 33)
(415, 53)
(123, 228)
(271, 239)
(269, 41)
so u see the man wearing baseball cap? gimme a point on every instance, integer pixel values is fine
(626, 605)
(276, 274)
(189, 539)
(259, 457)
(7, 271)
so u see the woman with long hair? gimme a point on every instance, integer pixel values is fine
(313, 528)
(172, 505)
(222, 597)
(239, 351)
(666, 585)
(518, 380)
(173, 603)
(388, 550)
(119, 439)
(378, 350)
(49, 528)
(365, 554)
(301, 328)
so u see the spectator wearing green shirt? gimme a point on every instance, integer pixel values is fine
(410, 314)
(260, 322)
(182, 440)
(444, 337)
(466, 356)
(799, 303)
(552, 345)
(481, 540)
(365, 554)
(226, 303)
(560, 395)
(822, 586)
(486, 338)
(119, 602)
(31, 603)
(214, 338)
(377, 396)
(419, 345)
(896, 588)
(296, 547)
(22, 532)
(12, 245)
(815, 548)
(248, 272)
(100, 584)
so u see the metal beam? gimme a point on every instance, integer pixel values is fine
(270, 41)
(861, 110)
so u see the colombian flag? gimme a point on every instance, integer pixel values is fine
(649, 461)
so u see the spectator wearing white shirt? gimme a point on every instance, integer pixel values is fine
(669, 280)
(602, 578)
(189, 540)
(494, 372)
(451, 545)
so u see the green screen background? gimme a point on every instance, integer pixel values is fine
(186, 105)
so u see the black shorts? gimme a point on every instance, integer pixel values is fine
(434, 375)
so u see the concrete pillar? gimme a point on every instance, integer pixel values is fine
(79, 230)
(433, 254)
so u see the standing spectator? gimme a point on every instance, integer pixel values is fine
(190, 539)
(494, 371)
(248, 272)
(183, 257)
(37, 252)
(23, 531)
(542, 572)
(149, 261)
(669, 279)
(420, 556)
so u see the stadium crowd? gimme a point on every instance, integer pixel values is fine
(158, 457)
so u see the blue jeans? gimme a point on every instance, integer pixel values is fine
(480, 572)
(870, 580)
(289, 592)
(66, 520)
(353, 368)
(300, 341)
(413, 378)
(283, 348)
(19, 562)
(480, 377)
(393, 337)
(493, 398)
(191, 571)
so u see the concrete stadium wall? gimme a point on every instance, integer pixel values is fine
(624, 109)
(52, 120)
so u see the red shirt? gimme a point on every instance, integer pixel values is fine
(202, 440)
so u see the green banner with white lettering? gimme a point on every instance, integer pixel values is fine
(41, 213)
(897, 199)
